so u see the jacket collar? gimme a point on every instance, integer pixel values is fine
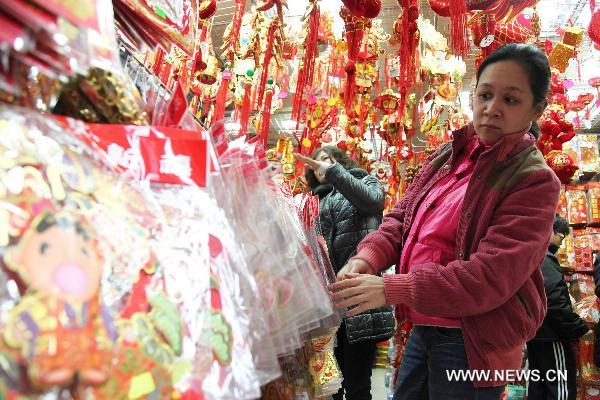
(506, 147)
(322, 190)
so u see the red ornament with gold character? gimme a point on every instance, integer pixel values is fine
(555, 130)
(562, 164)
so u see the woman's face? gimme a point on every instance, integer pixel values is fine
(503, 102)
(323, 157)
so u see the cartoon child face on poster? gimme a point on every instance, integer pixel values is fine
(59, 327)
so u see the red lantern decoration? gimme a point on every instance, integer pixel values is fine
(559, 99)
(585, 98)
(575, 106)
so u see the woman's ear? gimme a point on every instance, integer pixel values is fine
(539, 109)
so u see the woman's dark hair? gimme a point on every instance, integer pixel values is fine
(531, 58)
(560, 225)
(535, 130)
(334, 152)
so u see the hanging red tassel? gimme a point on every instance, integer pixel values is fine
(245, 113)
(408, 44)
(458, 28)
(236, 24)
(199, 64)
(267, 60)
(219, 111)
(206, 105)
(306, 72)
(301, 148)
(266, 117)
(354, 33)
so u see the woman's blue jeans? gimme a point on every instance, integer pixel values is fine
(430, 354)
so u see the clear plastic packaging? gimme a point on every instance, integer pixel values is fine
(72, 253)
(275, 246)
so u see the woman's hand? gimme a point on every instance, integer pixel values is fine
(318, 166)
(355, 266)
(361, 291)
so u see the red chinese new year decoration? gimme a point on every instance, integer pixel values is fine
(219, 111)
(457, 11)
(232, 45)
(585, 99)
(595, 82)
(207, 9)
(355, 29)
(267, 60)
(279, 5)
(407, 31)
(388, 102)
(179, 27)
(516, 31)
(483, 27)
(307, 69)
(363, 8)
(266, 116)
(245, 113)
(458, 28)
(562, 164)
(555, 130)
(594, 27)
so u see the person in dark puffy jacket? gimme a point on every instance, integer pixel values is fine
(350, 207)
(550, 350)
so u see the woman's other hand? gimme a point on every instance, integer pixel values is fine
(355, 266)
(361, 291)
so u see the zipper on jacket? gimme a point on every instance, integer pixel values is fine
(522, 300)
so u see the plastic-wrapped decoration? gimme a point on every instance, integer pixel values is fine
(65, 221)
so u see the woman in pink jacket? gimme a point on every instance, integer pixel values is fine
(467, 240)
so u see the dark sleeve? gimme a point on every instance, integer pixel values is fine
(365, 194)
(597, 274)
(566, 323)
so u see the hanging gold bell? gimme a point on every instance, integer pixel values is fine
(209, 75)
